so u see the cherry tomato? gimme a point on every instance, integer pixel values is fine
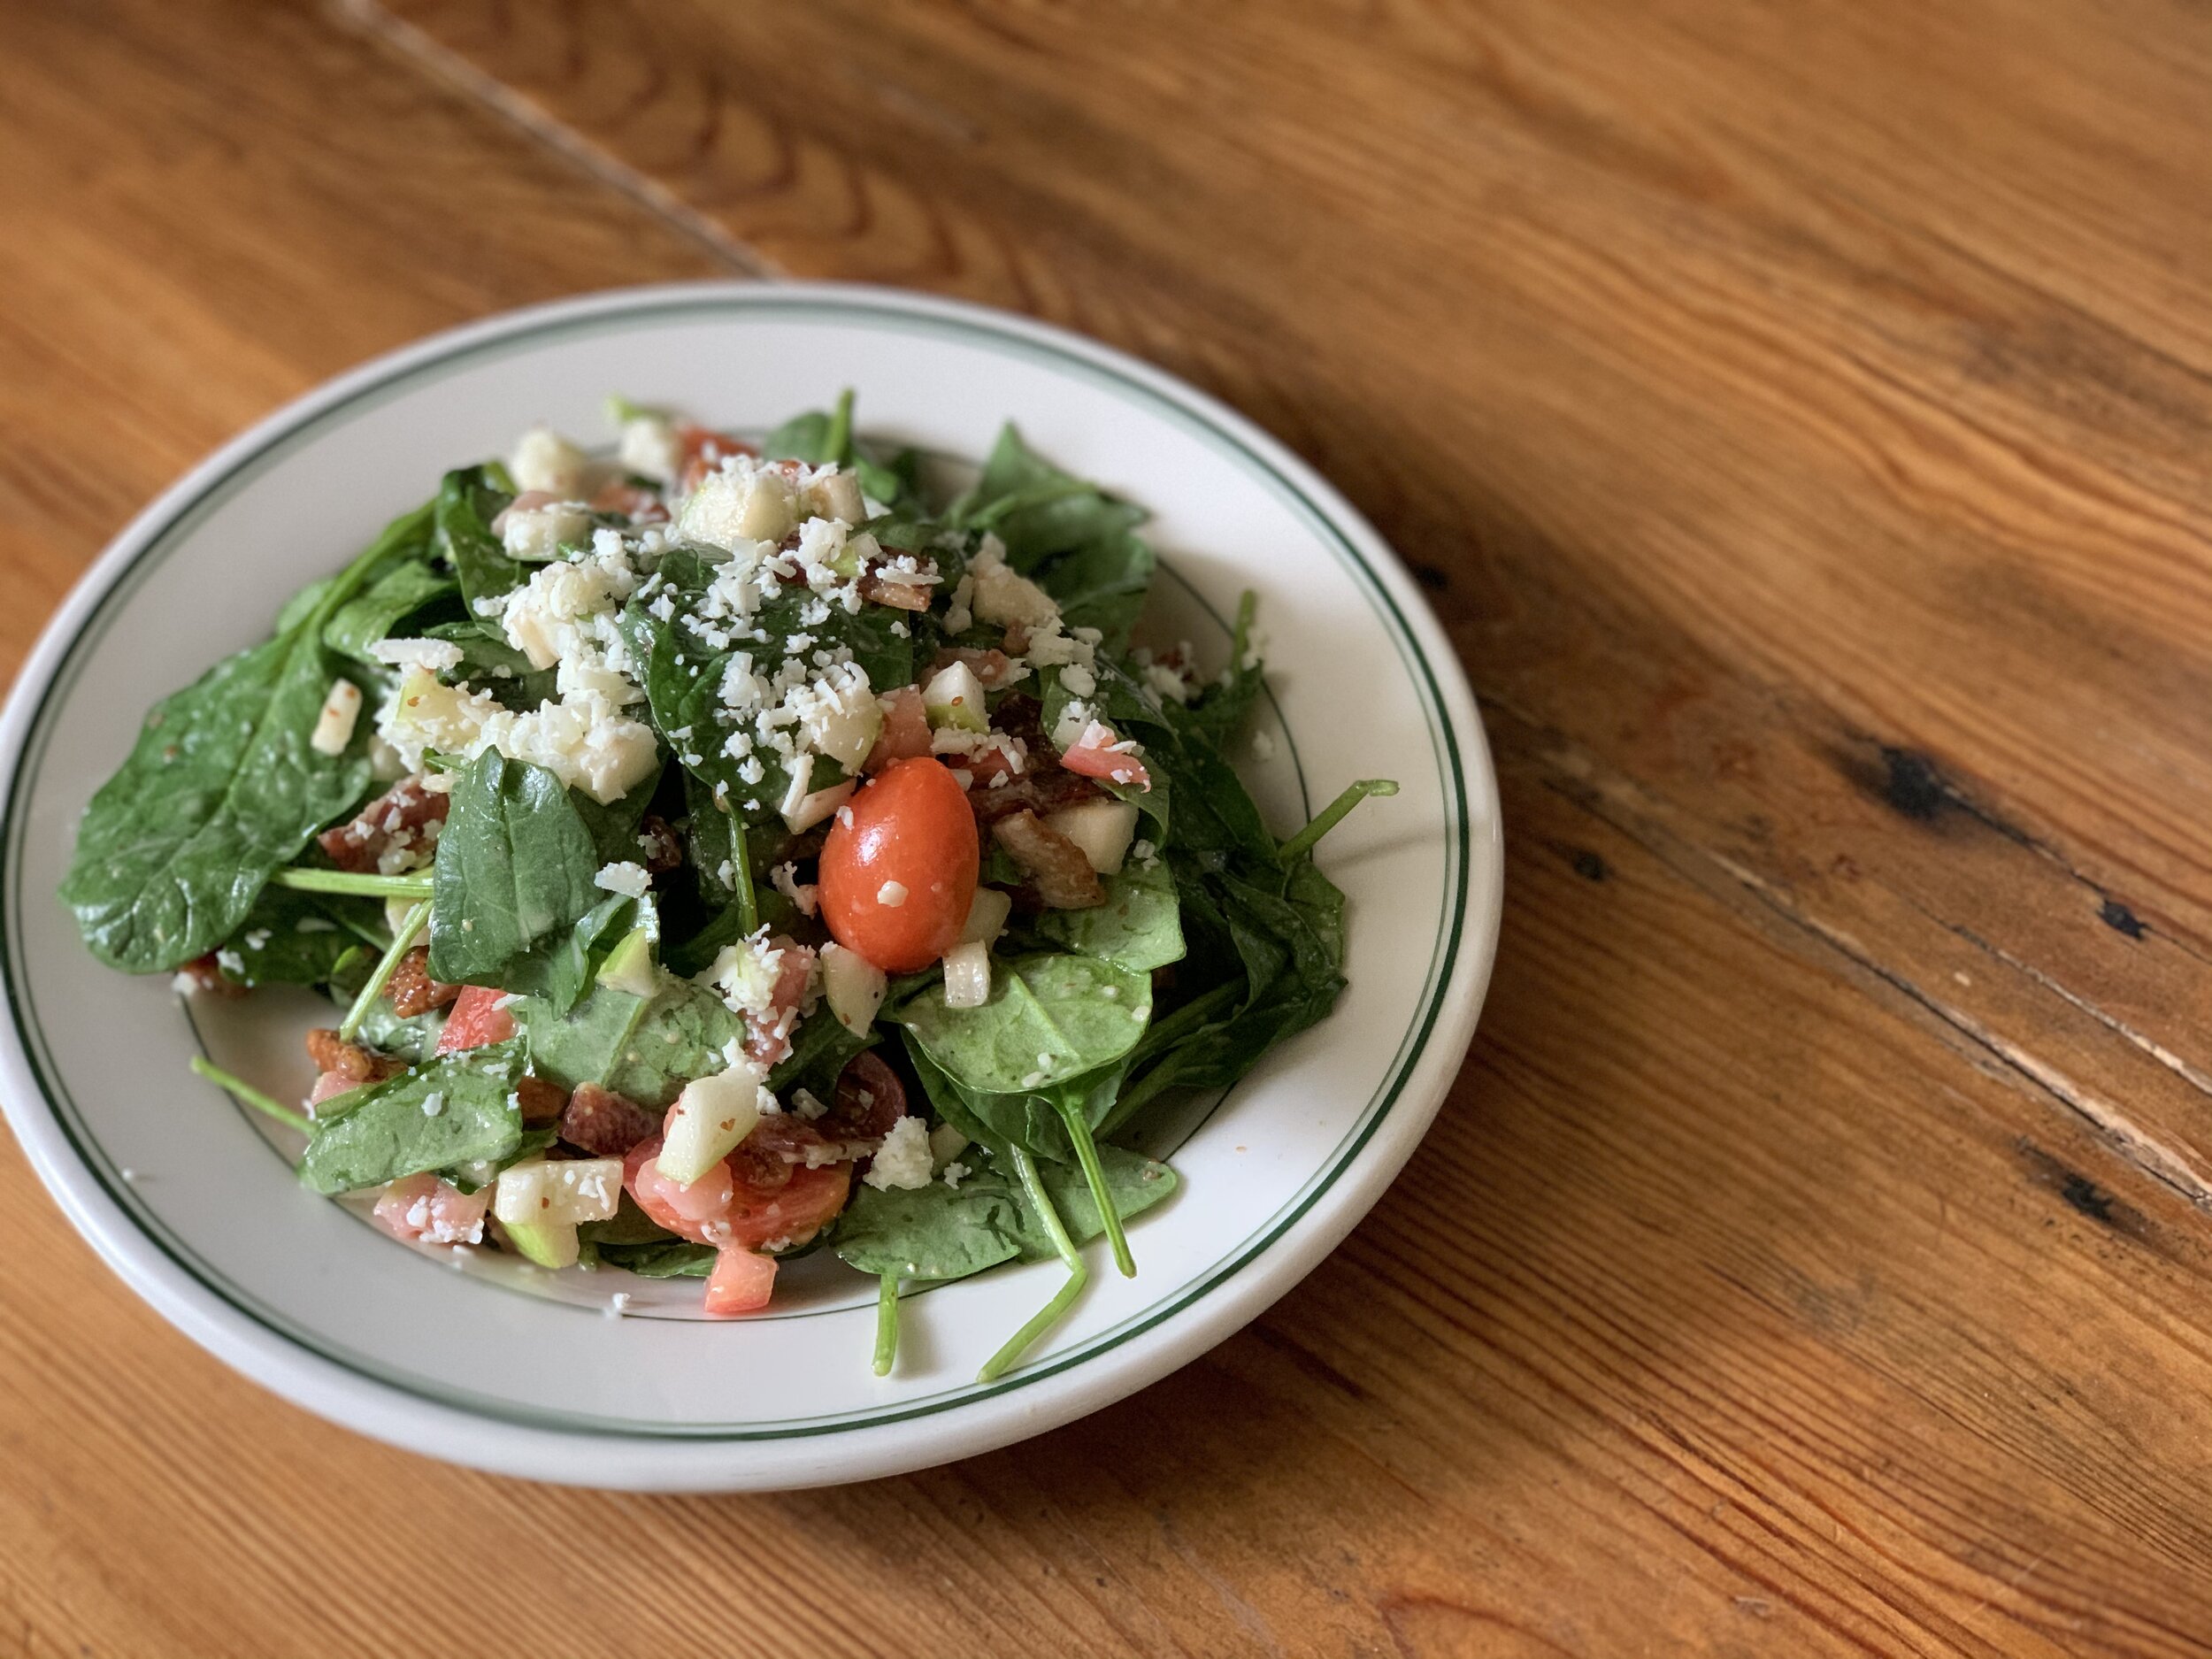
(792, 1211)
(479, 1016)
(899, 872)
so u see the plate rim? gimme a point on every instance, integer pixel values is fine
(909, 1435)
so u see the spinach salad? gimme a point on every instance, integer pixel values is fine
(718, 851)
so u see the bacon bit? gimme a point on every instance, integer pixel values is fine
(878, 590)
(905, 734)
(662, 847)
(994, 668)
(413, 990)
(405, 808)
(1062, 876)
(333, 1053)
(540, 1100)
(604, 1123)
(1096, 754)
(1017, 639)
(206, 974)
(704, 451)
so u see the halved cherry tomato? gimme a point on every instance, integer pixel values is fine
(795, 1210)
(479, 1016)
(898, 870)
(742, 1281)
(738, 1201)
(702, 450)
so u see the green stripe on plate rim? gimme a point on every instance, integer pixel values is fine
(670, 311)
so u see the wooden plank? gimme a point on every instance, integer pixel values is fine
(1799, 413)
(1763, 1288)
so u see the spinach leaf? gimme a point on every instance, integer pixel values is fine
(629, 1225)
(682, 674)
(489, 663)
(1050, 1017)
(941, 1233)
(514, 871)
(1073, 539)
(221, 787)
(1218, 713)
(645, 1049)
(377, 612)
(468, 500)
(1140, 926)
(821, 1049)
(381, 1131)
(613, 828)
(1035, 1119)
(668, 1258)
(293, 938)
(412, 1040)
(820, 439)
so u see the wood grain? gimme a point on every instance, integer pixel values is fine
(1799, 417)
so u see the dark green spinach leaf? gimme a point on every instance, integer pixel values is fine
(380, 1133)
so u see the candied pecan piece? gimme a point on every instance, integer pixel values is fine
(1055, 864)
(605, 1124)
(880, 590)
(406, 809)
(330, 1052)
(661, 847)
(539, 1099)
(411, 988)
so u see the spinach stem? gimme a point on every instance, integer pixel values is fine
(1078, 1275)
(246, 1094)
(839, 441)
(740, 862)
(1094, 1173)
(401, 943)
(1241, 641)
(887, 1324)
(346, 881)
(1331, 815)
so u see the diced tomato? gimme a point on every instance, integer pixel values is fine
(905, 734)
(479, 1016)
(422, 1207)
(687, 1211)
(899, 867)
(330, 1084)
(742, 1281)
(988, 766)
(1095, 756)
(642, 506)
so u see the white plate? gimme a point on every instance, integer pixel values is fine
(195, 1207)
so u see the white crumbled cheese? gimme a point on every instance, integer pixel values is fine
(1032, 1080)
(747, 500)
(257, 939)
(837, 714)
(807, 1106)
(433, 656)
(545, 460)
(627, 878)
(804, 895)
(902, 1161)
(1141, 850)
(538, 533)
(956, 1172)
(1166, 682)
(891, 894)
(231, 963)
(184, 985)
(432, 1103)
(650, 447)
(334, 729)
(1078, 679)
(1074, 720)
(314, 925)
(617, 1304)
(960, 610)
(1263, 745)
(746, 974)
(1003, 594)
(557, 616)
(833, 493)
(584, 740)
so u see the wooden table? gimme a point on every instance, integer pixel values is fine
(1801, 416)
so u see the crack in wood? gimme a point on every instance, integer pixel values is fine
(457, 75)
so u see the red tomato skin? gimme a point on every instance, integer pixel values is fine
(794, 1212)
(478, 1018)
(910, 825)
(742, 1281)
